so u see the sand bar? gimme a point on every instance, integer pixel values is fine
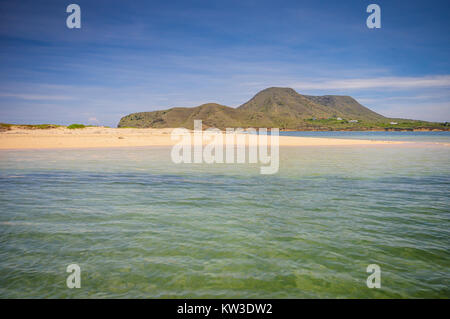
(98, 137)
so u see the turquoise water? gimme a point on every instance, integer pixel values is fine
(442, 137)
(140, 226)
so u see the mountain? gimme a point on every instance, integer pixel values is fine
(346, 106)
(273, 107)
(285, 107)
(212, 115)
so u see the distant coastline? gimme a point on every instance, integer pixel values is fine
(445, 129)
(4, 127)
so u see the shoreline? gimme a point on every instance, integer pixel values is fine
(101, 137)
(370, 130)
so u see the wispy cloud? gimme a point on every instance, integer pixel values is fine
(378, 82)
(32, 97)
(93, 120)
(424, 111)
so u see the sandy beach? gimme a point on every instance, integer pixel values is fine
(97, 137)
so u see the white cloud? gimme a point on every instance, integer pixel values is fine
(379, 82)
(93, 120)
(33, 97)
(439, 112)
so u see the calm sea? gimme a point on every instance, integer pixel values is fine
(140, 226)
(383, 136)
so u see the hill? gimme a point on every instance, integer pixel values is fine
(277, 107)
(212, 115)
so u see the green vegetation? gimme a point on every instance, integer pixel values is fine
(6, 126)
(76, 126)
(345, 125)
(279, 107)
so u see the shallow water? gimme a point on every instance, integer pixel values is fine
(443, 137)
(140, 226)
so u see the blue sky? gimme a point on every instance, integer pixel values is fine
(132, 56)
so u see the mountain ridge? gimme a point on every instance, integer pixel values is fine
(272, 107)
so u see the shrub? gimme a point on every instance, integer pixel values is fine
(75, 126)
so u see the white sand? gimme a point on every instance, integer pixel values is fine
(96, 137)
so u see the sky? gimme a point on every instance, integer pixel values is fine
(133, 56)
